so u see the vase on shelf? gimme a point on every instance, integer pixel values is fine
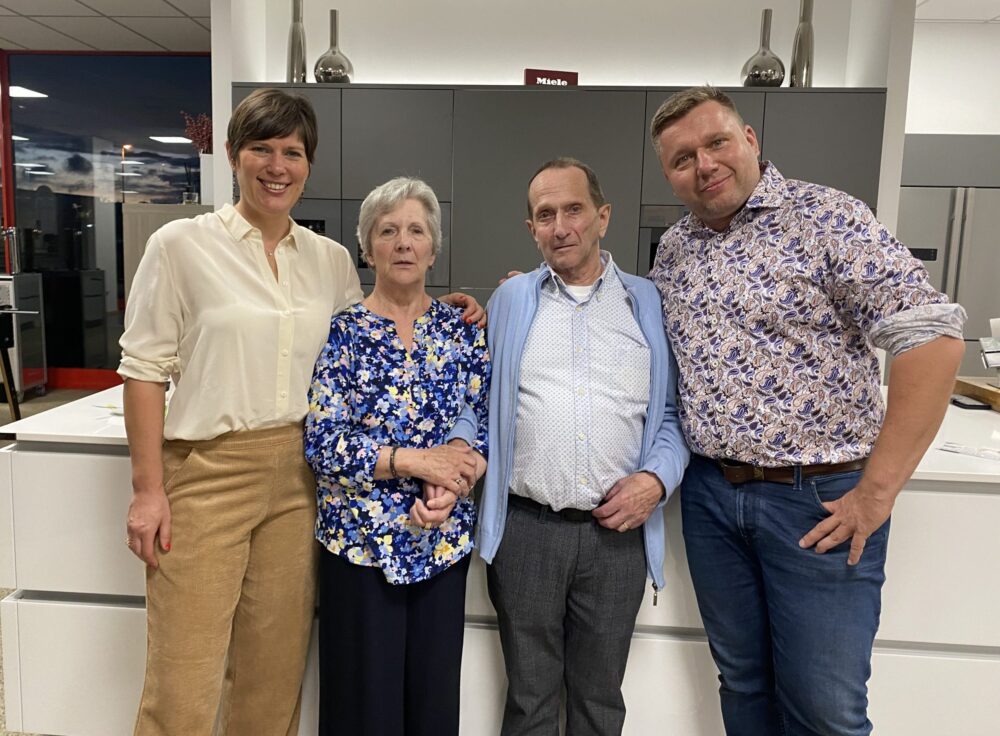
(296, 46)
(802, 48)
(764, 68)
(333, 67)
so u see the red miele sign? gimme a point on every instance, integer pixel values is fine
(549, 78)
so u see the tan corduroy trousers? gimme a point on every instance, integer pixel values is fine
(230, 607)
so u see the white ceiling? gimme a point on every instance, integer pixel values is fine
(105, 25)
(954, 11)
(183, 25)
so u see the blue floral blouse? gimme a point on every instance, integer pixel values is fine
(369, 391)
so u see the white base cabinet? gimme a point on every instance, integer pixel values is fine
(74, 632)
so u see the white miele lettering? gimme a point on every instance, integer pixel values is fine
(547, 80)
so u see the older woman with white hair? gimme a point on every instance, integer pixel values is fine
(399, 374)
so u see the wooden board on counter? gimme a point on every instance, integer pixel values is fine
(983, 389)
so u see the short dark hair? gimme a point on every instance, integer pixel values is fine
(272, 113)
(681, 103)
(567, 162)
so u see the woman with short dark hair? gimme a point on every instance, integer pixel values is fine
(233, 307)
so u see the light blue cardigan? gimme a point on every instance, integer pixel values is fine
(511, 311)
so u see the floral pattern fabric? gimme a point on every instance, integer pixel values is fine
(771, 320)
(369, 391)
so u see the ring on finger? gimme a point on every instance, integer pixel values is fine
(129, 542)
(624, 527)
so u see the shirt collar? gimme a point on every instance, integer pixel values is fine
(770, 190)
(554, 282)
(239, 227)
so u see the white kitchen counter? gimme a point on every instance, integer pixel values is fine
(92, 420)
(74, 632)
(97, 420)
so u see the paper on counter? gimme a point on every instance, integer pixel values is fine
(987, 453)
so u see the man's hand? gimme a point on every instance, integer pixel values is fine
(472, 310)
(856, 516)
(630, 502)
(470, 480)
(510, 275)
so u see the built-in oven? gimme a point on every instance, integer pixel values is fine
(654, 220)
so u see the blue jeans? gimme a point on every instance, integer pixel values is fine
(791, 630)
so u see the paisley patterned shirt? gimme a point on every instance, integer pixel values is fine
(368, 391)
(771, 322)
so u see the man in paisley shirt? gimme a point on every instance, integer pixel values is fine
(775, 295)
(586, 449)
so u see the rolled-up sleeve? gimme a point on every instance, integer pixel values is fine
(914, 327)
(153, 320)
(875, 276)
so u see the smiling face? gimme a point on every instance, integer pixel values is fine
(711, 162)
(272, 174)
(566, 224)
(402, 249)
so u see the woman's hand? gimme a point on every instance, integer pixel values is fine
(453, 467)
(434, 507)
(148, 519)
(149, 512)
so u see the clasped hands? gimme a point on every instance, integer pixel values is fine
(448, 472)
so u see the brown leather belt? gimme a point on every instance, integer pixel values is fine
(577, 516)
(736, 472)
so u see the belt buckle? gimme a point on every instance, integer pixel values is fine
(758, 472)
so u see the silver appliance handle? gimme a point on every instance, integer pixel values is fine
(11, 249)
(962, 210)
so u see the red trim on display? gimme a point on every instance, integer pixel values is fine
(36, 52)
(87, 378)
(7, 155)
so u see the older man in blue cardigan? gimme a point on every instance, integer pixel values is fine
(587, 448)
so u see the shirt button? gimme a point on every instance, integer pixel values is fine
(579, 308)
(581, 391)
(283, 394)
(286, 313)
(284, 283)
(583, 481)
(284, 352)
(581, 436)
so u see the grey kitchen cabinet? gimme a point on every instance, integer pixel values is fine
(323, 216)
(439, 273)
(396, 132)
(832, 138)
(655, 189)
(503, 136)
(324, 178)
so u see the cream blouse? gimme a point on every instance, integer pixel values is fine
(206, 311)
